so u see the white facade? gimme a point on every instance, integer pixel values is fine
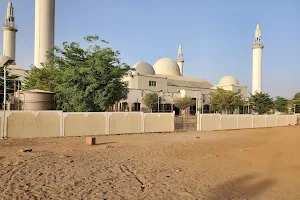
(169, 84)
(257, 62)
(44, 30)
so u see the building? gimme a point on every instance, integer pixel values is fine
(166, 78)
(9, 42)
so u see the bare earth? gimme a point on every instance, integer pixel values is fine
(260, 164)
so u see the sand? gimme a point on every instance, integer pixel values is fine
(260, 164)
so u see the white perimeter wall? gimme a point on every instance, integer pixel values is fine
(29, 124)
(209, 122)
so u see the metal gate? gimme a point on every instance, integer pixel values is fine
(185, 123)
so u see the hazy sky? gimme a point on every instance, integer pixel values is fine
(216, 35)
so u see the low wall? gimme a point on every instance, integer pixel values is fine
(30, 124)
(210, 122)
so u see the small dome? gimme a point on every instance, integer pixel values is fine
(228, 80)
(143, 68)
(167, 66)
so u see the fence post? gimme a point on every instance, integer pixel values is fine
(266, 120)
(173, 120)
(62, 126)
(6, 124)
(107, 123)
(221, 116)
(198, 120)
(143, 122)
(201, 122)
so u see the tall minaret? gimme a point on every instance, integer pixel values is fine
(44, 30)
(257, 62)
(9, 33)
(180, 60)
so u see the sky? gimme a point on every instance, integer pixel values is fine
(216, 35)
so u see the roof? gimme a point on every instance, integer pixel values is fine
(143, 68)
(188, 82)
(17, 67)
(228, 80)
(166, 66)
(36, 91)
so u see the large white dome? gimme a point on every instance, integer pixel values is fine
(167, 66)
(143, 68)
(228, 80)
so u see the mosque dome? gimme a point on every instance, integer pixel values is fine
(228, 80)
(166, 66)
(143, 68)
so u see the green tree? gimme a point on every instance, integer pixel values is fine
(297, 95)
(281, 104)
(84, 80)
(183, 103)
(151, 100)
(223, 101)
(261, 102)
(11, 82)
(296, 102)
(41, 78)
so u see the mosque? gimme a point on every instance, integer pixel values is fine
(166, 76)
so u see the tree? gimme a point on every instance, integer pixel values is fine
(84, 80)
(297, 95)
(224, 100)
(261, 102)
(281, 104)
(151, 100)
(41, 78)
(183, 103)
(11, 81)
(296, 102)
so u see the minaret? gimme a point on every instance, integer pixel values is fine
(44, 30)
(257, 62)
(9, 33)
(180, 60)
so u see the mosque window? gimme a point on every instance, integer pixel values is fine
(239, 91)
(152, 83)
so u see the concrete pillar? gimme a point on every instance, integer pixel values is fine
(130, 107)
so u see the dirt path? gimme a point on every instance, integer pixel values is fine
(257, 164)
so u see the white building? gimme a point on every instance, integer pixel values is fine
(166, 78)
(9, 41)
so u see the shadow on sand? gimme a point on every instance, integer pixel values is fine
(104, 143)
(245, 187)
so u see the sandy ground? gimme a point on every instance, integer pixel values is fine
(255, 164)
